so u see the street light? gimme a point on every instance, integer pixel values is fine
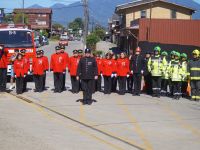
(23, 20)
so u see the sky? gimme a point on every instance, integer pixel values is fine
(10, 4)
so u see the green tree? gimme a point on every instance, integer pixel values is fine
(76, 24)
(57, 26)
(8, 18)
(100, 33)
(18, 18)
(92, 40)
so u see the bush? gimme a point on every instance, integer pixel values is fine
(55, 38)
(92, 40)
(98, 52)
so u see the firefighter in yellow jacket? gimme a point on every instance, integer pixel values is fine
(155, 67)
(184, 85)
(165, 73)
(194, 75)
(176, 76)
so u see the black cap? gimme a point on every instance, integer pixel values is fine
(16, 50)
(148, 52)
(57, 48)
(75, 51)
(41, 51)
(62, 47)
(38, 52)
(80, 51)
(87, 50)
(22, 51)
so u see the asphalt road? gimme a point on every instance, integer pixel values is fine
(49, 121)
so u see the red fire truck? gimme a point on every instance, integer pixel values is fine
(17, 37)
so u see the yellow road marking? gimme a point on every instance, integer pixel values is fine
(133, 120)
(83, 132)
(181, 121)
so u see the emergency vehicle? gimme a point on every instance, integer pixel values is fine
(17, 37)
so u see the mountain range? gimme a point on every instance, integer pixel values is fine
(100, 10)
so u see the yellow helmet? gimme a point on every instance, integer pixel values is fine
(196, 51)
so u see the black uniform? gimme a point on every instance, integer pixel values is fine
(194, 71)
(136, 65)
(147, 77)
(87, 70)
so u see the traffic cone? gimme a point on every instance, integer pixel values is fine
(189, 89)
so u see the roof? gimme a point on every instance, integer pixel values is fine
(142, 2)
(34, 10)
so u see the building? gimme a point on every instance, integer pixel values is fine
(113, 27)
(142, 23)
(38, 18)
(1, 14)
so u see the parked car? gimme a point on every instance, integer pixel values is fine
(63, 42)
(64, 36)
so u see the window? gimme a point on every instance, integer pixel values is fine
(143, 14)
(173, 14)
(41, 22)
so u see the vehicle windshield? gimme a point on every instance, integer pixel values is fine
(15, 38)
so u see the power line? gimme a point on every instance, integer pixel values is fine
(86, 20)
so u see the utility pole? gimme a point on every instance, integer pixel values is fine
(86, 21)
(23, 20)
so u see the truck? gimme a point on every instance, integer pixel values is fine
(17, 37)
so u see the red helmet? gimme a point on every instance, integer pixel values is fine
(138, 49)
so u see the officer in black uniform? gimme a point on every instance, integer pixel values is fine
(87, 71)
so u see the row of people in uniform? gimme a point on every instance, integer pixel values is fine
(163, 74)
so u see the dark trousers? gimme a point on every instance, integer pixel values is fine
(114, 84)
(44, 80)
(171, 87)
(176, 88)
(156, 85)
(39, 79)
(107, 84)
(137, 77)
(184, 88)
(195, 89)
(164, 85)
(122, 85)
(25, 84)
(3, 79)
(98, 84)
(58, 81)
(63, 84)
(130, 83)
(148, 84)
(19, 85)
(75, 84)
(87, 86)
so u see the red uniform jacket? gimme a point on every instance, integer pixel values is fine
(27, 64)
(20, 68)
(45, 58)
(122, 67)
(58, 63)
(3, 62)
(73, 65)
(39, 66)
(66, 57)
(107, 67)
(114, 65)
(99, 65)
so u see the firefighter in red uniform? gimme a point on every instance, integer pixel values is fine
(27, 67)
(20, 70)
(122, 72)
(39, 67)
(58, 66)
(99, 61)
(73, 65)
(66, 59)
(46, 60)
(3, 69)
(107, 72)
(114, 73)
